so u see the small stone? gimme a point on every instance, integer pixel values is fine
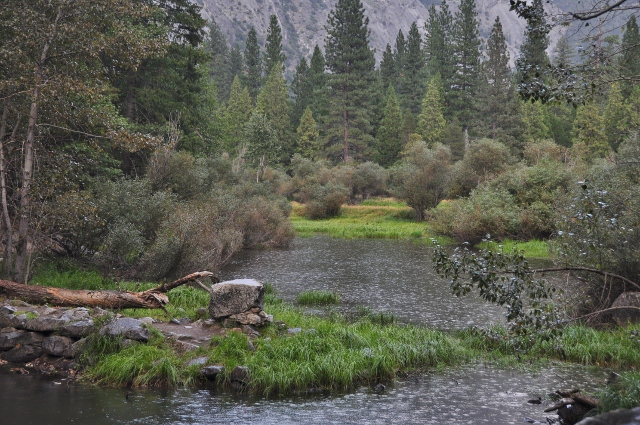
(174, 321)
(249, 330)
(76, 330)
(247, 318)
(127, 328)
(184, 337)
(147, 320)
(379, 388)
(241, 374)
(7, 309)
(208, 322)
(269, 318)
(187, 346)
(256, 310)
(211, 372)
(250, 346)
(294, 331)
(198, 361)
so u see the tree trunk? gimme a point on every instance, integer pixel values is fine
(152, 298)
(7, 261)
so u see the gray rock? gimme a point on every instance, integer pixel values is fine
(146, 320)
(9, 338)
(250, 346)
(44, 324)
(250, 331)
(211, 372)
(615, 417)
(235, 297)
(187, 346)
(294, 331)
(200, 361)
(31, 338)
(7, 309)
(22, 354)
(77, 330)
(76, 349)
(9, 321)
(127, 328)
(19, 303)
(241, 374)
(76, 314)
(56, 345)
(627, 299)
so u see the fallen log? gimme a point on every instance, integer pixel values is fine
(109, 299)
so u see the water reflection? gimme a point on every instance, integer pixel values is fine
(385, 275)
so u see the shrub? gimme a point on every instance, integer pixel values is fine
(326, 201)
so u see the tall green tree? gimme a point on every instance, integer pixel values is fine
(217, 46)
(309, 144)
(411, 81)
(236, 62)
(317, 80)
(564, 53)
(466, 53)
(253, 64)
(496, 100)
(273, 103)
(620, 119)
(302, 91)
(533, 59)
(273, 54)
(388, 71)
(439, 44)
(260, 143)
(589, 139)
(236, 115)
(630, 48)
(389, 140)
(399, 53)
(534, 119)
(431, 122)
(351, 62)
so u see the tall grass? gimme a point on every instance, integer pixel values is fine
(317, 298)
(532, 249)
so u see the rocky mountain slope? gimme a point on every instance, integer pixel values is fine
(303, 21)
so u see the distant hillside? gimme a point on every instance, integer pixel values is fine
(303, 21)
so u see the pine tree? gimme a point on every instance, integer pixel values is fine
(253, 64)
(301, 93)
(317, 80)
(535, 121)
(216, 45)
(497, 101)
(533, 59)
(273, 54)
(431, 122)
(563, 53)
(388, 70)
(439, 44)
(411, 81)
(466, 46)
(399, 53)
(309, 144)
(236, 115)
(589, 138)
(389, 140)
(236, 62)
(630, 60)
(619, 117)
(351, 62)
(273, 103)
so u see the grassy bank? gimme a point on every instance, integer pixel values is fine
(532, 249)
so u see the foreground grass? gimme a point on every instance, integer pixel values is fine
(317, 298)
(531, 249)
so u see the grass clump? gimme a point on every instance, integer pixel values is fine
(531, 249)
(317, 298)
(622, 393)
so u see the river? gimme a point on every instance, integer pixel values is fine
(385, 275)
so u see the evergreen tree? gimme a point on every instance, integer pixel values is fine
(497, 102)
(309, 144)
(351, 62)
(253, 64)
(560, 117)
(273, 103)
(466, 46)
(317, 80)
(563, 53)
(533, 59)
(302, 91)
(589, 138)
(236, 115)
(388, 70)
(273, 54)
(534, 118)
(619, 117)
(411, 80)
(439, 44)
(400, 52)
(431, 122)
(389, 141)
(216, 45)
(236, 62)
(630, 59)
(262, 147)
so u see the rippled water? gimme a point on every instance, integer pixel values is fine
(393, 276)
(385, 275)
(469, 395)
